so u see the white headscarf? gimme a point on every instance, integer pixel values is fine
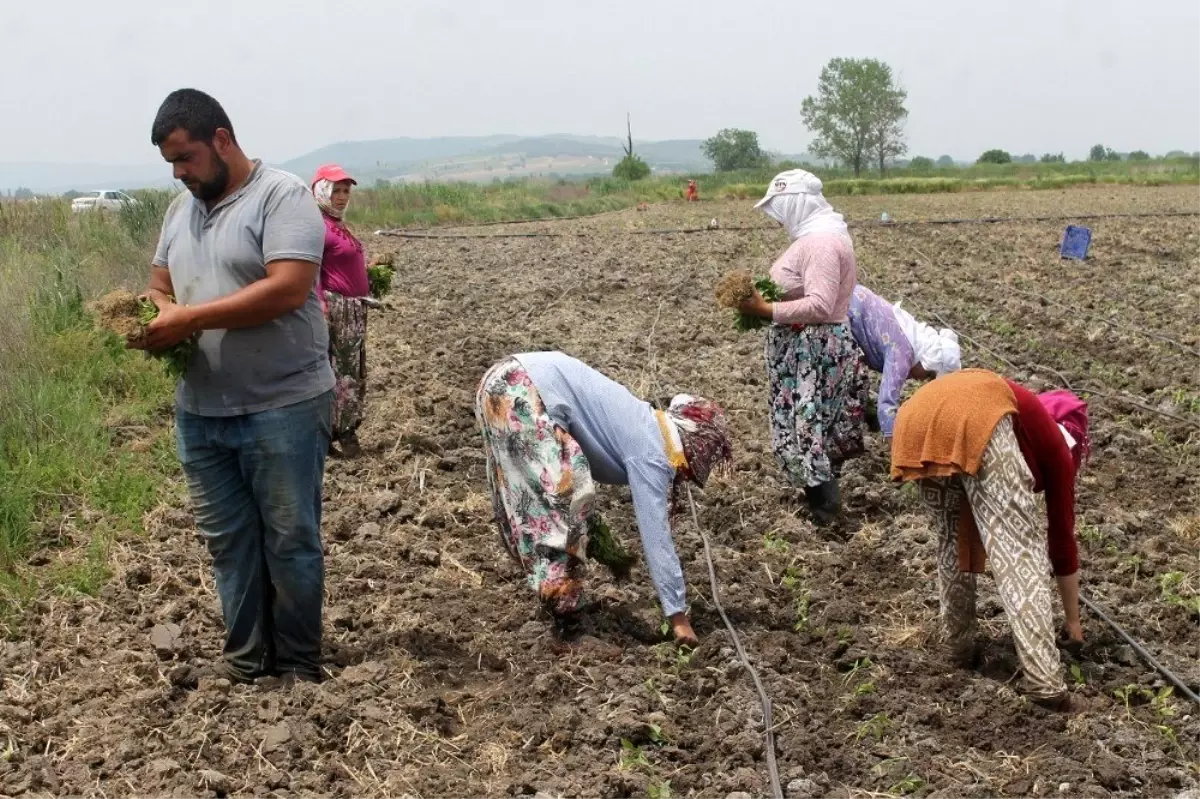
(1070, 439)
(794, 200)
(937, 350)
(323, 192)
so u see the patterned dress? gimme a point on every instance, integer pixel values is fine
(541, 485)
(347, 317)
(816, 375)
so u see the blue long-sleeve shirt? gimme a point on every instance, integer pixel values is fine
(873, 325)
(621, 439)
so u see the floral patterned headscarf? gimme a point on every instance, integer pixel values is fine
(323, 192)
(703, 433)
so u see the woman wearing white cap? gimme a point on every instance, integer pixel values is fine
(817, 378)
(899, 347)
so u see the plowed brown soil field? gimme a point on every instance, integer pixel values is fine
(445, 681)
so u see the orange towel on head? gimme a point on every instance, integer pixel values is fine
(944, 428)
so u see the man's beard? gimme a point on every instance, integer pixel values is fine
(211, 189)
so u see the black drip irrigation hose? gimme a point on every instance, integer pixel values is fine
(1141, 650)
(986, 220)
(404, 234)
(991, 220)
(768, 726)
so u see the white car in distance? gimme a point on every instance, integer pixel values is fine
(106, 200)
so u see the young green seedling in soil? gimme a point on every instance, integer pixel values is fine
(1171, 587)
(904, 786)
(793, 580)
(1186, 401)
(773, 542)
(1134, 564)
(632, 756)
(657, 736)
(677, 657)
(1160, 700)
(1077, 675)
(1091, 535)
(876, 727)
(862, 668)
(860, 665)
(910, 784)
(652, 689)
(1160, 703)
(659, 790)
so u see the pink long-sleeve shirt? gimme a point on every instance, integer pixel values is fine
(817, 274)
(343, 265)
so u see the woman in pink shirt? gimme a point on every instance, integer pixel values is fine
(344, 290)
(817, 377)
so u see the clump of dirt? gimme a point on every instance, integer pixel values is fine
(121, 312)
(127, 315)
(734, 288)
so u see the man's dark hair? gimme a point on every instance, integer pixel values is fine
(193, 111)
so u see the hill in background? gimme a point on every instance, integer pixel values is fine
(486, 158)
(479, 159)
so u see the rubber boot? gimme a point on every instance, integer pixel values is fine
(350, 445)
(824, 502)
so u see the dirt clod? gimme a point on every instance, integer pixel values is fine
(118, 311)
(165, 638)
(802, 789)
(276, 737)
(734, 288)
(215, 781)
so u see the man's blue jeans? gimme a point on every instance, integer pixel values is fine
(255, 483)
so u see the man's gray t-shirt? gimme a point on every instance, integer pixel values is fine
(212, 254)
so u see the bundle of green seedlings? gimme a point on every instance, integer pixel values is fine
(604, 547)
(127, 315)
(738, 286)
(380, 274)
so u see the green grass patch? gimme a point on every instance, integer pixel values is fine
(68, 487)
(430, 204)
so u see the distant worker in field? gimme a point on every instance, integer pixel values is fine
(693, 193)
(818, 381)
(553, 427)
(345, 292)
(980, 447)
(900, 348)
(236, 265)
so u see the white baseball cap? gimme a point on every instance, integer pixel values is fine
(794, 181)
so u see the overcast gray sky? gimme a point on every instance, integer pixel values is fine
(83, 79)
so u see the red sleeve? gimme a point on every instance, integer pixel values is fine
(1043, 444)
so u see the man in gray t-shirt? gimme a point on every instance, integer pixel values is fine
(236, 269)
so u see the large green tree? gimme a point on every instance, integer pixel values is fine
(857, 114)
(995, 157)
(734, 149)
